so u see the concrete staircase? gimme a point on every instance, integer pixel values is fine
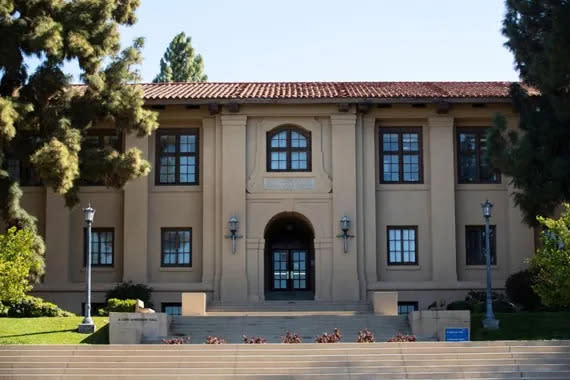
(273, 319)
(419, 360)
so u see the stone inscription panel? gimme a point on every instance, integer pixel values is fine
(289, 184)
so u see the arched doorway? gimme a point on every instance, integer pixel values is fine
(289, 258)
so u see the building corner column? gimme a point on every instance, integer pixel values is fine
(234, 276)
(442, 199)
(369, 192)
(345, 284)
(135, 219)
(57, 240)
(208, 201)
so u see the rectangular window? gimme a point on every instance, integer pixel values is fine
(404, 308)
(172, 308)
(177, 157)
(98, 140)
(102, 247)
(402, 245)
(22, 171)
(176, 247)
(401, 155)
(475, 245)
(471, 165)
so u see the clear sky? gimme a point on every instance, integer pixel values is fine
(331, 40)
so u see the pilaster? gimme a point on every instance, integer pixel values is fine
(234, 284)
(135, 236)
(208, 201)
(345, 286)
(369, 194)
(57, 239)
(442, 198)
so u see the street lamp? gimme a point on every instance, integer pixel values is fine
(489, 322)
(87, 326)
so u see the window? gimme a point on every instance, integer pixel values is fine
(103, 140)
(177, 157)
(172, 308)
(102, 246)
(22, 171)
(402, 245)
(475, 245)
(288, 150)
(471, 165)
(404, 308)
(176, 247)
(401, 155)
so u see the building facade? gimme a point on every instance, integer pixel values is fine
(402, 161)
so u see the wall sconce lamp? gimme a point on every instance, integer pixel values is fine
(345, 227)
(233, 226)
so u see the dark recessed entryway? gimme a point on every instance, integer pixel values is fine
(289, 258)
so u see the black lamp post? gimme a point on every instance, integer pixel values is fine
(87, 326)
(489, 322)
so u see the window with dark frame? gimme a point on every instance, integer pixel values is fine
(401, 155)
(288, 150)
(176, 247)
(475, 245)
(404, 308)
(102, 247)
(22, 171)
(100, 139)
(172, 308)
(402, 245)
(471, 165)
(177, 157)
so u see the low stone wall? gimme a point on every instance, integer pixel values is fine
(193, 304)
(432, 323)
(133, 328)
(385, 303)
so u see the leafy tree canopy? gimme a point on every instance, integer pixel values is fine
(538, 159)
(19, 261)
(44, 119)
(179, 64)
(552, 261)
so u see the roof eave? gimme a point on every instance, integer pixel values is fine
(403, 100)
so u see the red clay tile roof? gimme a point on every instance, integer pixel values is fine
(274, 91)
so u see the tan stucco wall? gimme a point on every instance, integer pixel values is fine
(344, 180)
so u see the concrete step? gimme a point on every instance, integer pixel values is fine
(471, 360)
(292, 306)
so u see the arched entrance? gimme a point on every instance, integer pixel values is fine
(289, 258)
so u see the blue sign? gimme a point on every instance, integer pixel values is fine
(453, 334)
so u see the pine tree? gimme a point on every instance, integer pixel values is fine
(179, 64)
(538, 159)
(44, 119)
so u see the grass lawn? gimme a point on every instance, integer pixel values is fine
(523, 326)
(54, 330)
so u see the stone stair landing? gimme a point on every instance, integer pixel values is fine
(273, 319)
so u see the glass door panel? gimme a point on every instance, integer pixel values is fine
(299, 270)
(280, 270)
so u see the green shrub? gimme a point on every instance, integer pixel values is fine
(121, 306)
(31, 307)
(475, 302)
(130, 291)
(519, 290)
(458, 305)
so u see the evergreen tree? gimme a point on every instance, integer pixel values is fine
(538, 159)
(44, 119)
(179, 64)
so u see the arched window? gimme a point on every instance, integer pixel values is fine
(288, 150)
